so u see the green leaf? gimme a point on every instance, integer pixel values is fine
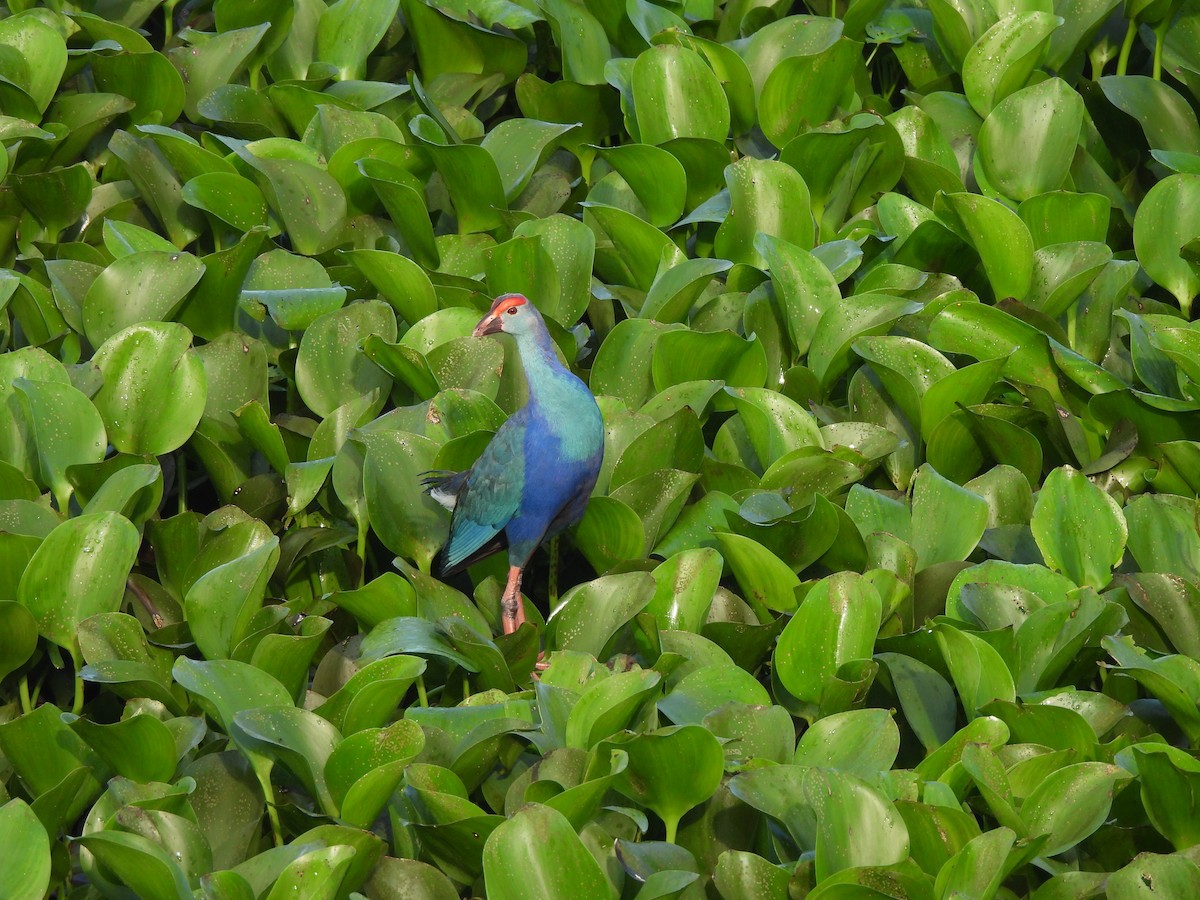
(29, 846)
(349, 30)
(140, 287)
(78, 571)
(676, 94)
(536, 853)
(154, 388)
(1003, 59)
(836, 624)
(1168, 218)
(1039, 123)
(671, 771)
(330, 368)
(954, 519)
(1078, 528)
(766, 197)
(1072, 803)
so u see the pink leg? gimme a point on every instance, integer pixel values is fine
(512, 609)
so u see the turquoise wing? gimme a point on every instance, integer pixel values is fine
(491, 496)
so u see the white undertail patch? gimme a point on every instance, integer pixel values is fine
(447, 499)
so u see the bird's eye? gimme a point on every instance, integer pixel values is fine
(512, 310)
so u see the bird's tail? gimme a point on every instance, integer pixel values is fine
(444, 486)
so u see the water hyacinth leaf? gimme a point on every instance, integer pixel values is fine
(787, 109)
(1168, 219)
(788, 37)
(1162, 536)
(299, 739)
(766, 197)
(309, 202)
(407, 519)
(140, 287)
(220, 604)
(56, 198)
(979, 866)
(1041, 122)
(519, 147)
(473, 182)
(78, 571)
(1166, 118)
(537, 853)
(1058, 217)
(146, 78)
(775, 424)
(862, 742)
(371, 694)
(671, 771)
(318, 873)
(1003, 59)
(224, 687)
(978, 671)
(1170, 784)
(349, 30)
(403, 198)
(331, 369)
(47, 404)
(609, 533)
(1173, 874)
(856, 824)
(835, 624)
(522, 266)
(140, 748)
(25, 838)
(998, 235)
(685, 355)
(1079, 528)
(804, 287)
(234, 200)
(209, 64)
(588, 615)
(956, 518)
(1091, 785)
(18, 635)
(399, 280)
(676, 94)
(741, 875)
(654, 175)
(841, 324)
(762, 576)
(154, 388)
(685, 585)
(571, 246)
(139, 863)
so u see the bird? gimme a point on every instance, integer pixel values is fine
(535, 476)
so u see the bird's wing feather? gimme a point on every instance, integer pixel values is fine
(491, 496)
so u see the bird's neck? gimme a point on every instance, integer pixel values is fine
(541, 364)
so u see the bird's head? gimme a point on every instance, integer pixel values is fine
(511, 314)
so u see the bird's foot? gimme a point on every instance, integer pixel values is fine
(512, 614)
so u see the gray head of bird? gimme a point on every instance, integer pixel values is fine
(512, 314)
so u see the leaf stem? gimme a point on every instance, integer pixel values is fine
(422, 698)
(672, 827)
(362, 553)
(77, 705)
(552, 577)
(1126, 46)
(23, 687)
(181, 475)
(1160, 37)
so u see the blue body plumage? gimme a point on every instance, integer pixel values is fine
(534, 479)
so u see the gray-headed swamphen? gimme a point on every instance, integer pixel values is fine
(534, 479)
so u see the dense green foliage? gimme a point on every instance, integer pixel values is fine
(891, 583)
